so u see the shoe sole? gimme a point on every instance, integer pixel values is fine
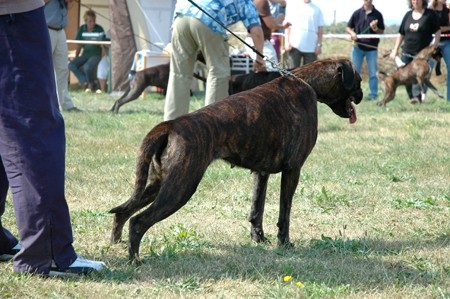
(6, 257)
(71, 272)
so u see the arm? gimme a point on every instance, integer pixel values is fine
(437, 38)
(319, 40)
(258, 40)
(374, 27)
(398, 42)
(352, 33)
(287, 43)
(78, 50)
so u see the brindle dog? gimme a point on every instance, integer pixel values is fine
(269, 129)
(418, 71)
(157, 76)
(242, 82)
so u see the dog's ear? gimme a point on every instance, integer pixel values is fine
(348, 74)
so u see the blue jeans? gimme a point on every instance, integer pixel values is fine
(372, 66)
(445, 47)
(84, 68)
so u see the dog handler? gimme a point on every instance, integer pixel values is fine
(32, 147)
(366, 20)
(416, 32)
(193, 30)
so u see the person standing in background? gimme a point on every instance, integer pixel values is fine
(56, 17)
(416, 32)
(83, 66)
(194, 31)
(32, 148)
(269, 24)
(277, 7)
(441, 9)
(366, 20)
(303, 40)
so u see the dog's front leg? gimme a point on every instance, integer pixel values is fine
(289, 182)
(257, 211)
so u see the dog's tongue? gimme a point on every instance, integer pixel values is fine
(352, 118)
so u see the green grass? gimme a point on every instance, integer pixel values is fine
(370, 218)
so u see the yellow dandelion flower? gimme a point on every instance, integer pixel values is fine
(287, 278)
(300, 284)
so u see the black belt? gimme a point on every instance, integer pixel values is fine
(55, 28)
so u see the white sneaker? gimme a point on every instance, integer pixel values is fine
(80, 266)
(11, 253)
(423, 97)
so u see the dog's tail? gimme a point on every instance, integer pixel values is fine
(151, 149)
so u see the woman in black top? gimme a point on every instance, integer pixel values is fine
(440, 7)
(416, 32)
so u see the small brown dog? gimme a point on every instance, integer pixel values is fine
(268, 129)
(418, 71)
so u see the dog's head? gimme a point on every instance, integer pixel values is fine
(336, 83)
(430, 52)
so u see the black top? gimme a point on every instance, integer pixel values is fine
(360, 23)
(418, 34)
(443, 21)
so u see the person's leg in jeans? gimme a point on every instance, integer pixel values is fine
(372, 67)
(89, 69)
(445, 47)
(32, 144)
(75, 67)
(357, 57)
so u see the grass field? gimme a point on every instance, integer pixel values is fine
(370, 218)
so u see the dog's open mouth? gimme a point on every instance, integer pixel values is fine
(351, 111)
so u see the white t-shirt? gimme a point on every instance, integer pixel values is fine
(305, 18)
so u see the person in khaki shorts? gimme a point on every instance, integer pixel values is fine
(194, 31)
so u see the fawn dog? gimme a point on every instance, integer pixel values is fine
(418, 71)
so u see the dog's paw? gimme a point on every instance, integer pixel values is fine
(286, 245)
(258, 236)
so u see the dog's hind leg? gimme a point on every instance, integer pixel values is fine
(434, 89)
(175, 192)
(257, 210)
(115, 107)
(289, 182)
(127, 209)
(389, 92)
(137, 86)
